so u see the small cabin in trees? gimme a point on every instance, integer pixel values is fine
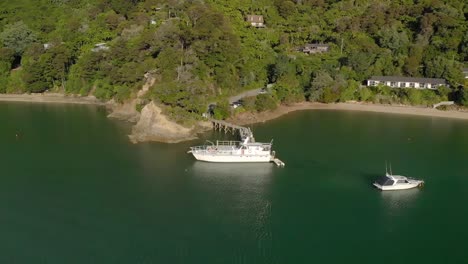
(406, 82)
(315, 48)
(256, 21)
(99, 47)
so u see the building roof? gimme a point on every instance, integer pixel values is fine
(255, 18)
(407, 79)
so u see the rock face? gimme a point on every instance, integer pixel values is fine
(154, 126)
(151, 124)
(126, 111)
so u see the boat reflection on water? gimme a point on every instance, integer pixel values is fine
(242, 173)
(238, 193)
(240, 185)
(396, 201)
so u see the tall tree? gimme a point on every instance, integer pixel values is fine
(18, 37)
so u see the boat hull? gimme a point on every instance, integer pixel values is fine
(232, 158)
(399, 186)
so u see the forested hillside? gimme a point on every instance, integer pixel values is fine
(203, 51)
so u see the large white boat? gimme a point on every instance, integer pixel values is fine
(391, 182)
(234, 151)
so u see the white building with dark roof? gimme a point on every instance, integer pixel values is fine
(406, 82)
(256, 21)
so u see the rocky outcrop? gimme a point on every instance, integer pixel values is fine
(126, 111)
(151, 124)
(155, 126)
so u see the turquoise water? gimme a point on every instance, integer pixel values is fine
(74, 190)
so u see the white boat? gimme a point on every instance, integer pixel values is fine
(391, 182)
(234, 151)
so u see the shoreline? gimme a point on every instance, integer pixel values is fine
(51, 98)
(247, 118)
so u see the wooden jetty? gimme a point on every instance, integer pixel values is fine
(244, 132)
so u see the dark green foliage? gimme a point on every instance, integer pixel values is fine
(7, 57)
(265, 102)
(248, 103)
(464, 96)
(365, 94)
(16, 82)
(103, 89)
(222, 110)
(18, 37)
(3, 82)
(204, 51)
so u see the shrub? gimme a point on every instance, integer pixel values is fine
(221, 111)
(265, 102)
(103, 90)
(365, 94)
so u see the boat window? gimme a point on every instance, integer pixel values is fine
(384, 181)
(402, 181)
(389, 182)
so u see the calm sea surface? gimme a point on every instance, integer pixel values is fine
(74, 190)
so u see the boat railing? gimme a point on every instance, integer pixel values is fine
(227, 143)
(198, 148)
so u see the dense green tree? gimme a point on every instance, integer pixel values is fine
(321, 81)
(204, 51)
(464, 96)
(18, 37)
(222, 110)
(7, 57)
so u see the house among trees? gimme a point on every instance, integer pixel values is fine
(99, 47)
(315, 48)
(256, 21)
(406, 82)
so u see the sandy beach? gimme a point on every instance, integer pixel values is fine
(251, 118)
(50, 98)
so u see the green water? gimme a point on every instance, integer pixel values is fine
(74, 190)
